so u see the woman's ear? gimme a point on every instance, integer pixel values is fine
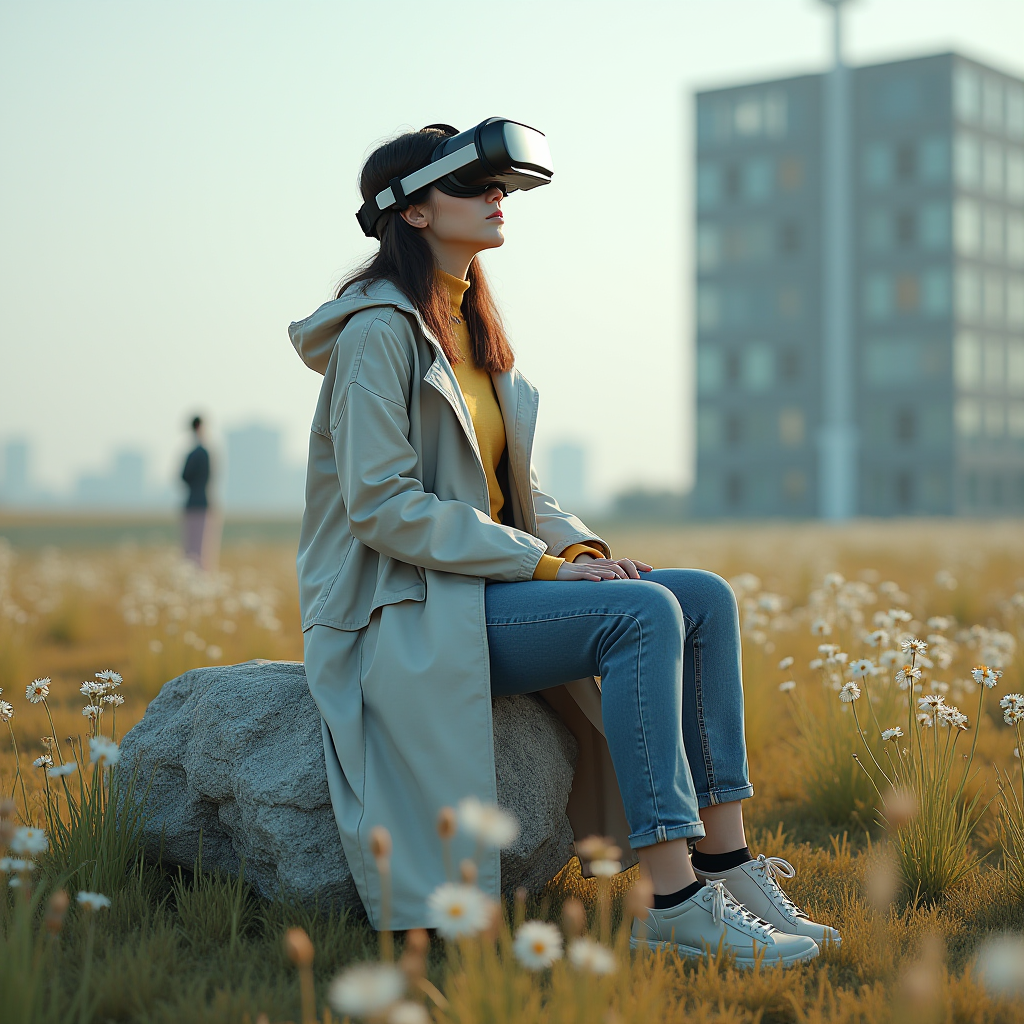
(417, 216)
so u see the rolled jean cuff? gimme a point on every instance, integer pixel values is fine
(725, 796)
(663, 833)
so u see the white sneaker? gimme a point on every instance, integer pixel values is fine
(712, 917)
(755, 885)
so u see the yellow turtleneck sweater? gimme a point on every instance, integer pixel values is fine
(482, 402)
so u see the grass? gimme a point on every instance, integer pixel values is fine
(177, 945)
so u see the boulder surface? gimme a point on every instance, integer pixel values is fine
(234, 754)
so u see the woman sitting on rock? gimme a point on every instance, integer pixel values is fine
(435, 573)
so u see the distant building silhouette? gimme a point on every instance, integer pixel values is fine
(16, 486)
(936, 317)
(124, 486)
(567, 475)
(257, 478)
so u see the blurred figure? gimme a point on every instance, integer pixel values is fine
(199, 529)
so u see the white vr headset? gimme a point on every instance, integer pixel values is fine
(497, 152)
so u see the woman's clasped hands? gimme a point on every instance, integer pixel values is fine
(587, 567)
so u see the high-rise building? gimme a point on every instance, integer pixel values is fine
(932, 386)
(123, 486)
(258, 478)
(16, 487)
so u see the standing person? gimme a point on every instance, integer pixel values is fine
(196, 475)
(434, 574)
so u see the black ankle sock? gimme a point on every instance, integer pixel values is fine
(709, 863)
(673, 899)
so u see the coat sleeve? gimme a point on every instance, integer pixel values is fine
(558, 529)
(388, 508)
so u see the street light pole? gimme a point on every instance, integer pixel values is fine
(837, 454)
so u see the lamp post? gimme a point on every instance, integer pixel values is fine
(837, 442)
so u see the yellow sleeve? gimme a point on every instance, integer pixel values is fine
(570, 553)
(547, 568)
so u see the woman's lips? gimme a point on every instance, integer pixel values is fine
(498, 214)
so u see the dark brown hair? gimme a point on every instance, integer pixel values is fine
(407, 261)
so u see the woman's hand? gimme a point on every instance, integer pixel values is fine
(586, 567)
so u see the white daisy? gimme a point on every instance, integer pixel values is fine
(907, 676)
(93, 900)
(605, 868)
(103, 752)
(924, 720)
(92, 712)
(588, 955)
(6, 711)
(113, 698)
(110, 677)
(29, 841)
(537, 945)
(820, 628)
(931, 700)
(1013, 715)
(457, 910)
(487, 823)
(910, 644)
(45, 761)
(899, 615)
(408, 1013)
(861, 668)
(789, 684)
(38, 690)
(1011, 700)
(892, 734)
(785, 663)
(815, 664)
(91, 689)
(828, 649)
(65, 769)
(877, 638)
(16, 865)
(366, 990)
(849, 693)
(985, 675)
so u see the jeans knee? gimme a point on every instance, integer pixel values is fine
(659, 611)
(718, 595)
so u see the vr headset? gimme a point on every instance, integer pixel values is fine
(497, 152)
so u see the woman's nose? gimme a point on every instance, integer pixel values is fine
(494, 194)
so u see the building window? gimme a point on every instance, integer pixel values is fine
(967, 361)
(791, 428)
(1015, 239)
(709, 246)
(789, 237)
(935, 225)
(968, 294)
(934, 159)
(733, 429)
(789, 365)
(1014, 111)
(1015, 302)
(968, 418)
(906, 425)
(993, 298)
(967, 227)
(904, 490)
(992, 234)
(994, 419)
(758, 178)
(791, 173)
(992, 168)
(1015, 420)
(709, 186)
(758, 367)
(794, 485)
(906, 161)
(710, 371)
(878, 167)
(995, 364)
(907, 293)
(732, 367)
(709, 430)
(1015, 367)
(935, 292)
(967, 161)
(967, 94)
(709, 307)
(733, 490)
(992, 104)
(905, 227)
(1015, 175)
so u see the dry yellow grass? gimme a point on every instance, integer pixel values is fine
(67, 614)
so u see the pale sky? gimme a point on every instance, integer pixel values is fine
(178, 182)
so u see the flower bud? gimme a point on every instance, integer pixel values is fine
(56, 908)
(380, 843)
(447, 822)
(574, 917)
(468, 872)
(298, 947)
(8, 808)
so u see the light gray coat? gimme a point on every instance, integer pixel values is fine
(397, 544)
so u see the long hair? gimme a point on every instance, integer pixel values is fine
(407, 261)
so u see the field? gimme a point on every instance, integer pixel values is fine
(923, 874)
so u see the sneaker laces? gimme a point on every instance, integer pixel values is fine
(725, 909)
(771, 868)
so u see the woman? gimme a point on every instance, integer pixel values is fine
(434, 573)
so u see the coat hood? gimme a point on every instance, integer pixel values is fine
(315, 337)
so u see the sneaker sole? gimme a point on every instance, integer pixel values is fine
(743, 962)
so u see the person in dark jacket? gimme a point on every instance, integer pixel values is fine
(196, 475)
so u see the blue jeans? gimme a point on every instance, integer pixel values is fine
(667, 649)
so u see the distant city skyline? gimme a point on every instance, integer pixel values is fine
(185, 185)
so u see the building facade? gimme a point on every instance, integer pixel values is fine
(937, 312)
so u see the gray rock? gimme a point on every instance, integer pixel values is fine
(234, 753)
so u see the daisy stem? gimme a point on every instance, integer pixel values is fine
(53, 732)
(18, 777)
(864, 740)
(977, 729)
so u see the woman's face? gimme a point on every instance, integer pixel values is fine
(470, 222)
